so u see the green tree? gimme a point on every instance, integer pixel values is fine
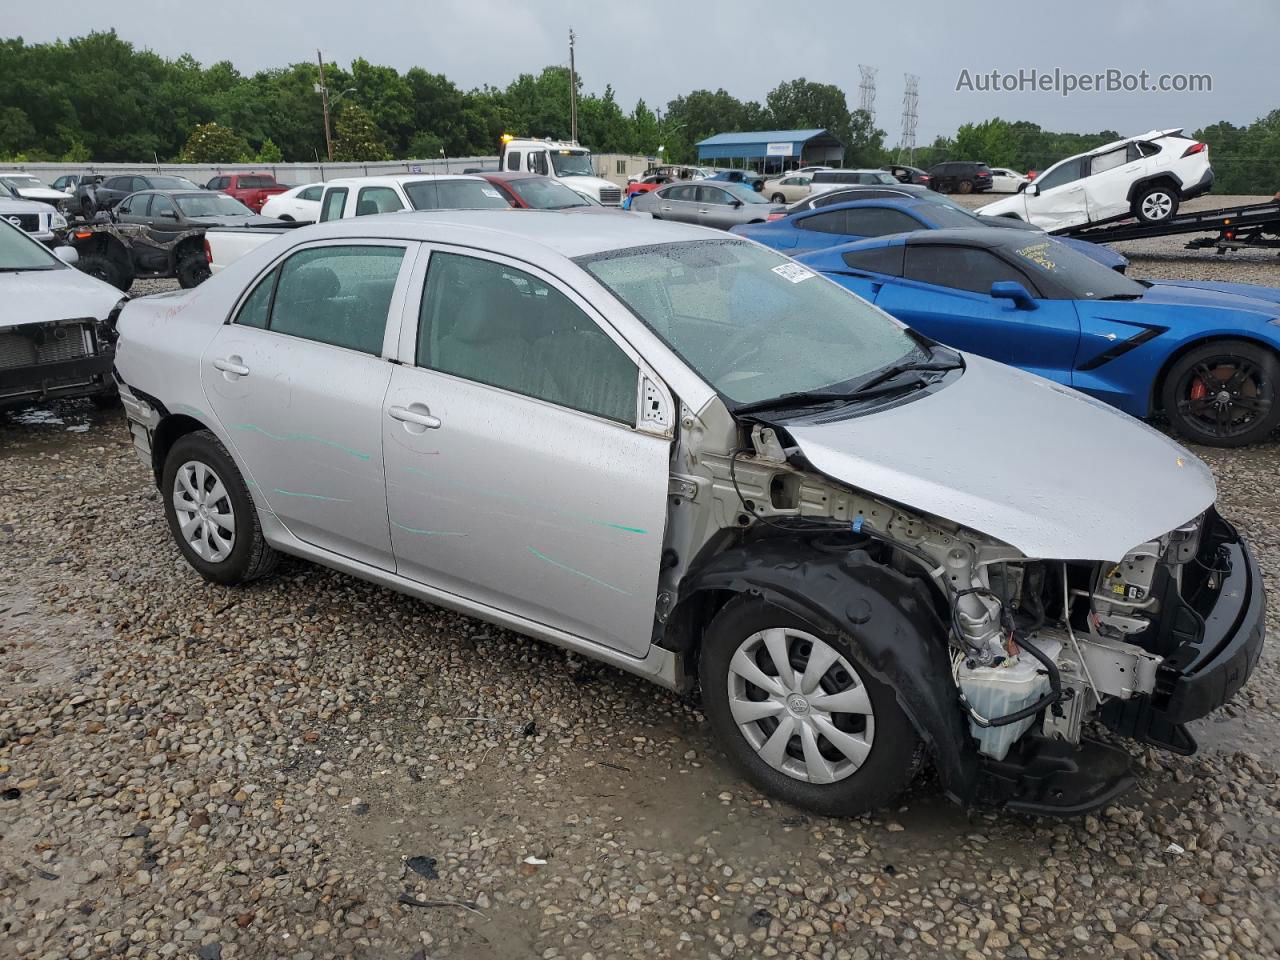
(425, 146)
(357, 137)
(269, 152)
(214, 143)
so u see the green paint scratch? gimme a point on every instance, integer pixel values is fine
(427, 533)
(498, 494)
(305, 437)
(578, 573)
(309, 496)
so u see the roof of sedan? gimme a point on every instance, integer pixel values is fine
(985, 237)
(181, 192)
(563, 233)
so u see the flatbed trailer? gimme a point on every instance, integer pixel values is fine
(1252, 225)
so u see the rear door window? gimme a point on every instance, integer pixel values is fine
(334, 202)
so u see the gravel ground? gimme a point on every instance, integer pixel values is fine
(315, 767)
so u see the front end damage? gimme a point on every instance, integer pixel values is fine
(54, 360)
(1004, 662)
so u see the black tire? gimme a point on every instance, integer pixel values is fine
(286, 218)
(1156, 203)
(965, 186)
(778, 198)
(106, 401)
(105, 269)
(192, 269)
(1223, 394)
(896, 749)
(250, 556)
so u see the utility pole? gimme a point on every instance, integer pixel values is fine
(323, 89)
(573, 92)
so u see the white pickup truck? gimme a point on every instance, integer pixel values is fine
(357, 197)
(565, 161)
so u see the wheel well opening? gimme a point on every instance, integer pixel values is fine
(1162, 180)
(1157, 387)
(689, 621)
(169, 431)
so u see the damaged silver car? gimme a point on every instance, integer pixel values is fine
(694, 459)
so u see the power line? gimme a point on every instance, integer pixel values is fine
(910, 101)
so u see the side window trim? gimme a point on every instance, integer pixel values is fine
(406, 353)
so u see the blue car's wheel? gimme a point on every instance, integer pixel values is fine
(1224, 394)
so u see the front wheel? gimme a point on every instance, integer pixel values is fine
(1155, 204)
(211, 514)
(778, 198)
(1224, 394)
(799, 713)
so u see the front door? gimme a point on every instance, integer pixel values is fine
(945, 294)
(298, 380)
(516, 473)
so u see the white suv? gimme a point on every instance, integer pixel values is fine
(1145, 177)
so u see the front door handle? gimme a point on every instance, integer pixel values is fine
(416, 414)
(232, 365)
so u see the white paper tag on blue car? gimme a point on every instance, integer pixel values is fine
(793, 272)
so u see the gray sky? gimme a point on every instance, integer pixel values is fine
(747, 47)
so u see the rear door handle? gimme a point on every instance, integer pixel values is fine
(231, 365)
(420, 417)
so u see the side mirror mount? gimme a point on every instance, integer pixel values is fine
(68, 255)
(735, 203)
(1012, 290)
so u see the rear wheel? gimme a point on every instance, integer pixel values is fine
(192, 269)
(965, 186)
(286, 218)
(778, 198)
(800, 714)
(1224, 394)
(211, 514)
(1155, 204)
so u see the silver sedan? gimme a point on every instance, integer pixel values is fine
(722, 205)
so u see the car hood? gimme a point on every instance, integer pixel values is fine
(1043, 468)
(41, 296)
(42, 193)
(1211, 293)
(1011, 204)
(10, 207)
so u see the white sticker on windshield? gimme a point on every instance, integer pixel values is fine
(490, 192)
(793, 272)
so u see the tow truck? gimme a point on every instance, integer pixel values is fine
(1253, 225)
(565, 160)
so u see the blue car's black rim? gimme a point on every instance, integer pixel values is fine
(1225, 396)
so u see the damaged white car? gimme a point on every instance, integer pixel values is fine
(694, 459)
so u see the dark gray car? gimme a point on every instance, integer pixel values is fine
(722, 205)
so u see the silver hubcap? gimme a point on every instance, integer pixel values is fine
(205, 515)
(801, 705)
(1157, 206)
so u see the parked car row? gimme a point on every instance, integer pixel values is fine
(680, 452)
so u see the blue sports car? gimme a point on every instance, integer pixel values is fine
(1204, 354)
(836, 224)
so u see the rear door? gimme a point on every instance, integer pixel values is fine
(1107, 185)
(678, 203)
(945, 294)
(519, 474)
(298, 378)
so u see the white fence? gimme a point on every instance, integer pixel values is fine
(290, 174)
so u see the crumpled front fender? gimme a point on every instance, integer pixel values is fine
(888, 616)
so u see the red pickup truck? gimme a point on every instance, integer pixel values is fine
(251, 189)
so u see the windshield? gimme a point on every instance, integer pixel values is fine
(20, 252)
(22, 182)
(212, 205)
(453, 195)
(570, 163)
(754, 324)
(546, 194)
(1083, 278)
(8, 191)
(171, 183)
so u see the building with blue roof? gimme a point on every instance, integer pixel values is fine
(771, 150)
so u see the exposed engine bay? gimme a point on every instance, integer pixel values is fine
(1036, 646)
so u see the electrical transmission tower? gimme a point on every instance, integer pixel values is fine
(910, 98)
(867, 91)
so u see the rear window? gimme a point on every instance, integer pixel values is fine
(258, 181)
(454, 195)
